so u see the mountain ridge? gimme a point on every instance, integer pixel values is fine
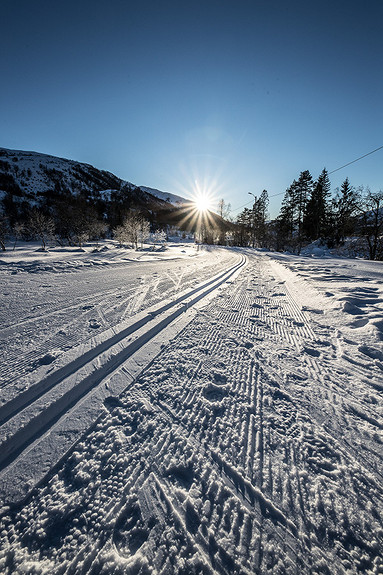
(82, 200)
(24, 162)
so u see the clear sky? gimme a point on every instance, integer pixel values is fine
(229, 95)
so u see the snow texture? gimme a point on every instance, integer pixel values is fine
(217, 411)
(32, 174)
(171, 198)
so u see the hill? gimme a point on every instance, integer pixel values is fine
(170, 198)
(30, 179)
(79, 197)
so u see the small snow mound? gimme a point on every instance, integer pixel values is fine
(371, 352)
(358, 323)
(316, 249)
(352, 309)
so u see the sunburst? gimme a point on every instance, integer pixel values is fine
(202, 202)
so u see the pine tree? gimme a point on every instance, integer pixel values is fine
(345, 206)
(243, 231)
(260, 215)
(302, 193)
(317, 213)
(290, 228)
(285, 220)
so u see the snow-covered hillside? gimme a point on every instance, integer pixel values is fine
(205, 411)
(33, 172)
(167, 197)
(30, 175)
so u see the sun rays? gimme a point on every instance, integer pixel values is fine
(202, 203)
(202, 183)
(204, 200)
(197, 215)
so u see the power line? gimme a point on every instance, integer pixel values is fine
(252, 201)
(332, 172)
(357, 160)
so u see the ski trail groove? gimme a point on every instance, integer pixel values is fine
(17, 442)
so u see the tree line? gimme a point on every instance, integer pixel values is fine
(74, 225)
(309, 212)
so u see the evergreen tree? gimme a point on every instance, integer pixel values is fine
(317, 213)
(345, 208)
(243, 230)
(302, 193)
(260, 215)
(285, 220)
(290, 228)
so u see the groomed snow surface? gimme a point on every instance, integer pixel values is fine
(190, 412)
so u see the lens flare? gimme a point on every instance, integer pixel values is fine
(202, 202)
(202, 187)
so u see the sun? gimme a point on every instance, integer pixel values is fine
(202, 202)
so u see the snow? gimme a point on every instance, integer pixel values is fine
(190, 411)
(172, 198)
(35, 181)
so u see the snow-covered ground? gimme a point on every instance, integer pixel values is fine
(211, 411)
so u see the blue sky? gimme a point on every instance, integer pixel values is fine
(228, 96)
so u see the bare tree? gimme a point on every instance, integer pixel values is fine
(224, 209)
(120, 234)
(372, 223)
(4, 230)
(143, 231)
(97, 230)
(40, 226)
(134, 230)
(18, 230)
(159, 237)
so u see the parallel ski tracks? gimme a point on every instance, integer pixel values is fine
(226, 448)
(32, 413)
(58, 326)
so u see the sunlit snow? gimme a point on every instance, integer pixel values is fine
(190, 410)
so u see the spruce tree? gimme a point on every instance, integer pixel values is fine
(302, 194)
(345, 206)
(244, 222)
(285, 220)
(317, 213)
(260, 216)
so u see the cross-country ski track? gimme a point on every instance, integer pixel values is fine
(27, 418)
(235, 428)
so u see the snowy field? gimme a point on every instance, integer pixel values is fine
(190, 412)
